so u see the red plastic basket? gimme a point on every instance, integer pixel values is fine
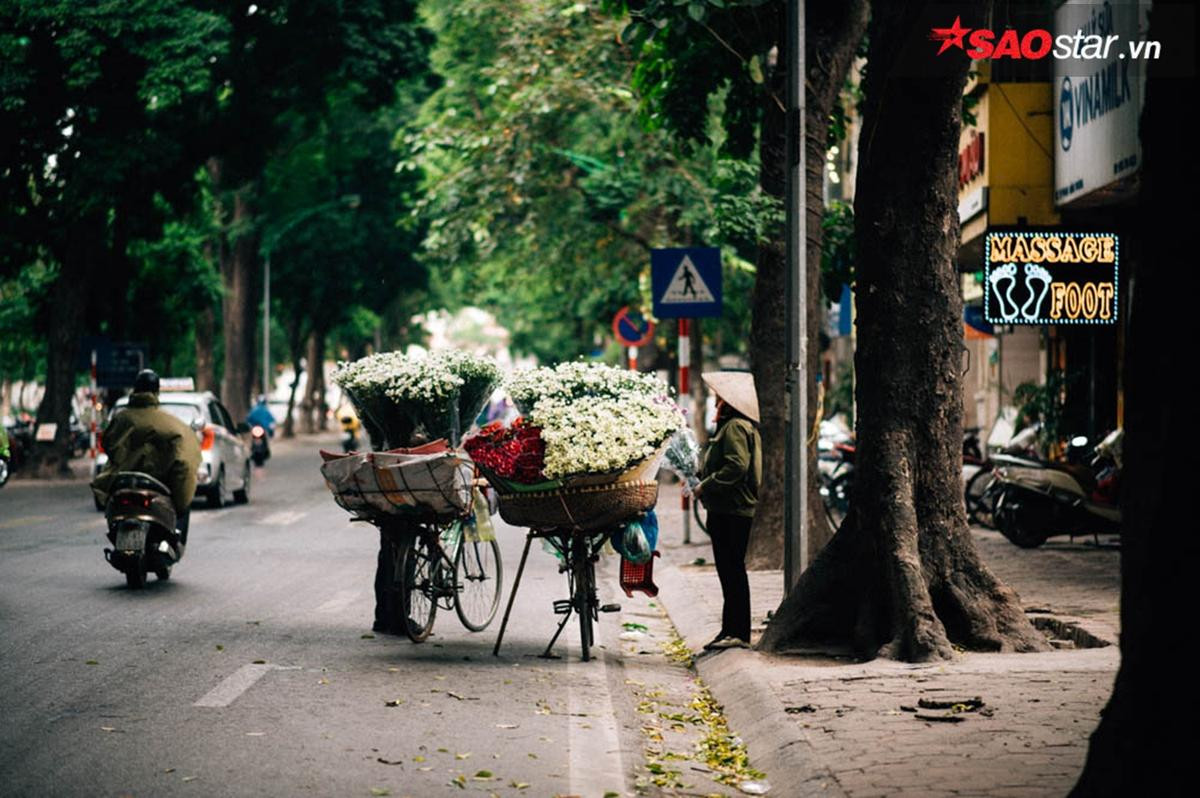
(638, 577)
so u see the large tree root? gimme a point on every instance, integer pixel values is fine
(898, 605)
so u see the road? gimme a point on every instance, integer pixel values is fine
(252, 671)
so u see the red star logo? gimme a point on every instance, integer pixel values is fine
(951, 36)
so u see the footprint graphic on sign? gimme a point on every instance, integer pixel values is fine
(1006, 272)
(1034, 274)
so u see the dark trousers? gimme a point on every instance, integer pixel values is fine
(730, 535)
(385, 588)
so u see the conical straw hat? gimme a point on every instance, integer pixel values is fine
(737, 389)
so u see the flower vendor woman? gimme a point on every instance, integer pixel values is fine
(732, 471)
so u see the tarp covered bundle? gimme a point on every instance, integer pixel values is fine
(428, 482)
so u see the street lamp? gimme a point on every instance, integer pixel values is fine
(351, 201)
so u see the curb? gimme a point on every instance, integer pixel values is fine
(777, 746)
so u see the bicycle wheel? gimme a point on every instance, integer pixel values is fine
(416, 564)
(478, 582)
(700, 515)
(585, 592)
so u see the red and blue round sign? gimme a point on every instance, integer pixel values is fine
(632, 327)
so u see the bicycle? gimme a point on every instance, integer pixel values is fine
(578, 552)
(435, 565)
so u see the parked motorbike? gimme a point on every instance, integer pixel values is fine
(260, 449)
(979, 474)
(1035, 499)
(141, 528)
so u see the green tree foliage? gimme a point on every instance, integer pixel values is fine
(544, 192)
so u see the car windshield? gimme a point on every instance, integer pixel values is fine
(185, 413)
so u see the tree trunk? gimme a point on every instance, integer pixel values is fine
(903, 577)
(834, 31)
(295, 345)
(317, 372)
(312, 395)
(68, 305)
(239, 310)
(1134, 747)
(205, 329)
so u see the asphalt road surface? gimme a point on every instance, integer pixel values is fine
(253, 671)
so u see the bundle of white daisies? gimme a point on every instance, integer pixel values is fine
(405, 400)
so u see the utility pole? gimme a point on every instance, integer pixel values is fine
(795, 548)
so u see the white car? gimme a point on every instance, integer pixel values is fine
(225, 470)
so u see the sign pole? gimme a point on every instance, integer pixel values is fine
(633, 354)
(795, 548)
(685, 354)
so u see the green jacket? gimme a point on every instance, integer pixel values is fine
(144, 438)
(3, 441)
(732, 469)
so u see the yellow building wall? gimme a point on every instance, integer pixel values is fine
(1020, 161)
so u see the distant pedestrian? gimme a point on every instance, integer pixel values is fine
(731, 474)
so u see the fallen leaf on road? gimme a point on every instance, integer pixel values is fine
(383, 761)
(380, 791)
(418, 758)
(462, 756)
(483, 775)
(425, 769)
(518, 785)
(190, 778)
(940, 718)
(256, 734)
(91, 662)
(533, 756)
(440, 678)
(630, 626)
(367, 636)
(797, 710)
(952, 704)
(453, 694)
(220, 647)
(108, 728)
(169, 770)
(259, 662)
(443, 750)
(393, 670)
(508, 725)
(459, 781)
(395, 702)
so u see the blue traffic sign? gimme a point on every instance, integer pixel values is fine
(686, 282)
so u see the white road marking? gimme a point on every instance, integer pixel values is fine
(340, 600)
(238, 682)
(283, 518)
(594, 766)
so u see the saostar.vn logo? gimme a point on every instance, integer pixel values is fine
(980, 43)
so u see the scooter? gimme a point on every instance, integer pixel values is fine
(141, 528)
(260, 449)
(1035, 500)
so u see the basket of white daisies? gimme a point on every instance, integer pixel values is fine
(414, 409)
(585, 453)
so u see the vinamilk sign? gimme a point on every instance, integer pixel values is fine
(1042, 277)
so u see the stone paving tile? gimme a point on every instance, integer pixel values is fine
(1040, 708)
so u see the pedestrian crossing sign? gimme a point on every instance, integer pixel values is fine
(686, 282)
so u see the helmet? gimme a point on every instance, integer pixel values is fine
(146, 381)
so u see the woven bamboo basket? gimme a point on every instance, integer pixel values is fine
(586, 508)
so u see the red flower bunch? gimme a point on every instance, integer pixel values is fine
(517, 452)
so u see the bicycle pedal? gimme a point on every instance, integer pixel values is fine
(562, 607)
(610, 608)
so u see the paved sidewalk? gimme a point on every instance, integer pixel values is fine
(834, 727)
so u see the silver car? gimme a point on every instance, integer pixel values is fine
(225, 471)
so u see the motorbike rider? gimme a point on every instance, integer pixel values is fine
(144, 438)
(260, 416)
